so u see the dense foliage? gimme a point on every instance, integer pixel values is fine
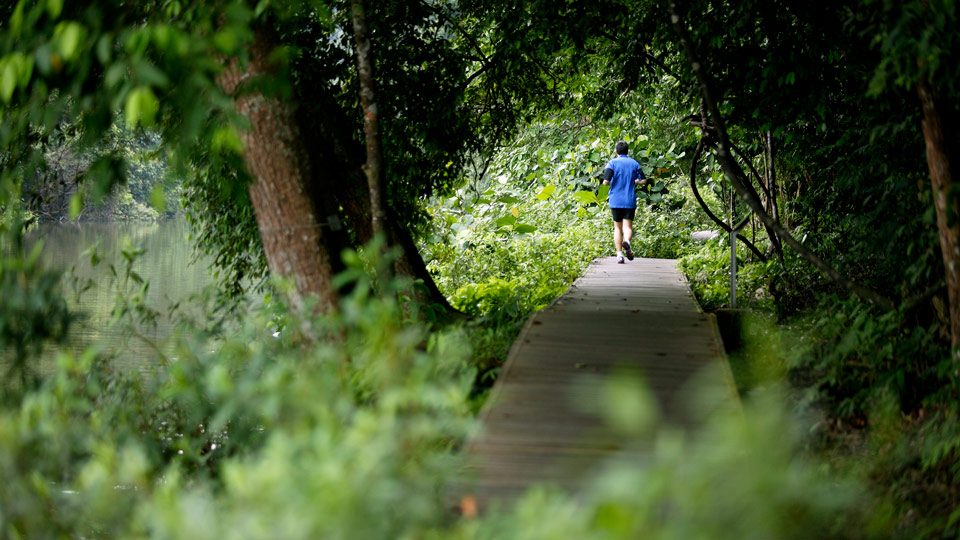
(498, 117)
(251, 434)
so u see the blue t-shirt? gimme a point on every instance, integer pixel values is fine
(623, 187)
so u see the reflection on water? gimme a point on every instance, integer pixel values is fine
(167, 265)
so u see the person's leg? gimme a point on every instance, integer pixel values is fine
(618, 236)
(627, 234)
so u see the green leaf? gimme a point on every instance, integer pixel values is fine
(225, 138)
(506, 221)
(76, 205)
(16, 20)
(15, 70)
(524, 228)
(114, 75)
(54, 8)
(546, 192)
(8, 81)
(104, 48)
(147, 73)
(656, 197)
(226, 41)
(629, 405)
(141, 107)
(604, 192)
(586, 197)
(157, 198)
(68, 37)
(508, 199)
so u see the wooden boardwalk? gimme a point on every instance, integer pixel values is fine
(538, 426)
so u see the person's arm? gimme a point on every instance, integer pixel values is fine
(607, 176)
(641, 179)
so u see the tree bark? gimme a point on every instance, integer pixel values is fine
(371, 125)
(939, 161)
(275, 156)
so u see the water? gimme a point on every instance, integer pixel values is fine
(167, 264)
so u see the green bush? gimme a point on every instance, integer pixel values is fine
(708, 271)
(352, 415)
(33, 311)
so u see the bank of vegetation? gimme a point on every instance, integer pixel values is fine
(63, 187)
(407, 181)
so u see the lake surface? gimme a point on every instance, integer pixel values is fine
(167, 264)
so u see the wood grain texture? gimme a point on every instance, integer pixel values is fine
(542, 423)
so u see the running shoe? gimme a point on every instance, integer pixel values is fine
(620, 259)
(627, 251)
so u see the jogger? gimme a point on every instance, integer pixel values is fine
(623, 174)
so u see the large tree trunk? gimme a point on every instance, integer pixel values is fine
(274, 153)
(939, 160)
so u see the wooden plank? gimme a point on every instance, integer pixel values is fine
(541, 422)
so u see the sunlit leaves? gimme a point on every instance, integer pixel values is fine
(226, 41)
(506, 221)
(141, 107)
(545, 193)
(68, 37)
(54, 7)
(15, 71)
(586, 197)
(225, 138)
(603, 192)
(158, 198)
(76, 205)
(16, 20)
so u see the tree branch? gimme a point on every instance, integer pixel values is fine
(706, 209)
(736, 176)
(371, 124)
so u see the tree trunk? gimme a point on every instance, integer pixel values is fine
(356, 208)
(329, 138)
(371, 125)
(275, 156)
(771, 177)
(939, 157)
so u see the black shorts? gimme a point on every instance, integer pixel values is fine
(620, 214)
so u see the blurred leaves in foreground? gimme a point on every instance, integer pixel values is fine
(347, 426)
